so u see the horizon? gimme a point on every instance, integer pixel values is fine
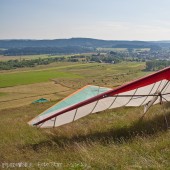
(128, 20)
(80, 38)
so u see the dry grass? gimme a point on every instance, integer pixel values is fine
(113, 139)
(25, 94)
(106, 75)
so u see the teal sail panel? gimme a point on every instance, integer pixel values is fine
(79, 96)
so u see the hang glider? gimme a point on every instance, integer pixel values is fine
(146, 91)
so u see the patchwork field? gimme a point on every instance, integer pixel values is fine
(20, 87)
(113, 139)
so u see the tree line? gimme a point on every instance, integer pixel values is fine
(13, 64)
(156, 65)
(45, 50)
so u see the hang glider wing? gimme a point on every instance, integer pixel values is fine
(146, 91)
(82, 94)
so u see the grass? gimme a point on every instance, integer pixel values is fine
(112, 49)
(25, 94)
(123, 49)
(29, 57)
(77, 71)
(23, 86)
(14, 79)
(108, 75)
(2, 94)
(113, 139)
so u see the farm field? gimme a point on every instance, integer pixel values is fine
(122, 49)
(112, 49)
(112, 139)
(20, 87)
(28, 57)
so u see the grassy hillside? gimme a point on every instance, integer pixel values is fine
(113, 139)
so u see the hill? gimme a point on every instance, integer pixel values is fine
(70, 46)
(83, 42)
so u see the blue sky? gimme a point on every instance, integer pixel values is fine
(101, 19)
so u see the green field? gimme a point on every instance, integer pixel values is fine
(2, 94)
(14, 79)
(70, 71)
(113, 139)
(123, 49)
(22, 86)
(30, 57)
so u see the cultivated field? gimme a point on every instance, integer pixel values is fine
(28, 57)
(113, 139)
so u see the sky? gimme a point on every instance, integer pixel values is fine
(147, 20)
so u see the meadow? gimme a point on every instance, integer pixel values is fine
(112, 139)
(112, 49)
(122, 49)
(21, 78)
(28, 57)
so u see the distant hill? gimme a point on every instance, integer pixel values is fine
(70, 46)
(83, 42)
